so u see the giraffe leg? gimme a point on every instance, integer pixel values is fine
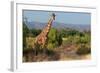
(44, 48)
(35, 48)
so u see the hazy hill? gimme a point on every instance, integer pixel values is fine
(39, 25)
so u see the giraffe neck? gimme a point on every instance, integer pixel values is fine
(48, 27)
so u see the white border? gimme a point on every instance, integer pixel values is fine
(17, 38)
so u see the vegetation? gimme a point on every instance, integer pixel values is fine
(60, 42)
(25, 34)
(54, 39)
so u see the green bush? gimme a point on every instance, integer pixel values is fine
(83, 49)
(54, 39)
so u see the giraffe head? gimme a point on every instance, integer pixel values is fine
(53, 15)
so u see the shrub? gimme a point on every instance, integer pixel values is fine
(54, 39)
(83, 49)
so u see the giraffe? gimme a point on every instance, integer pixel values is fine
(42, 38)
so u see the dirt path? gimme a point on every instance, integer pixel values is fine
(64, 53)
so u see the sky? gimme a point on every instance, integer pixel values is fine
(61, 17)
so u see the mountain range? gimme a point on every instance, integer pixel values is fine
(57, 25)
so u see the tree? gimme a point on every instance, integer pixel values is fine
(35, 32)
(54, 38)
(26, 31)
(59, 39)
